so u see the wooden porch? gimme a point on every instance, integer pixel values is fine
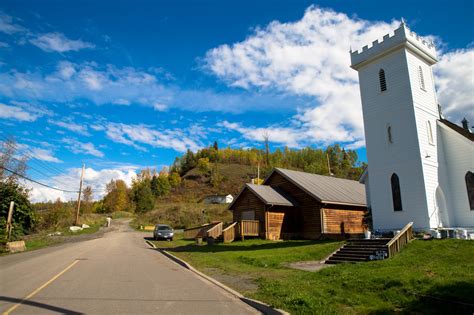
(217, 231)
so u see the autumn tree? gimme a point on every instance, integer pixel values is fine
(87, 198)
(174, 179)
(117, 197)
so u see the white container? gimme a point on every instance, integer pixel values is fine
(367, 234)
(435, 234)
(461, 234)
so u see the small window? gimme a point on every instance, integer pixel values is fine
(421, 78)
(470, 188)
(429, 131)
(389, 134)
(383, 82)
(396, 194)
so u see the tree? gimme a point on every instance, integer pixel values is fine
(203, 165)
(87, 197)
(160, 185)
(117, 198)
(216, 146)
(174, 179)
(9, 161)
(142, 196)
(267, 148)
(24, 218)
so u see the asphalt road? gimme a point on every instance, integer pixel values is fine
(116, 274)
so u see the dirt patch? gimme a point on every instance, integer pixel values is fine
(239, 283)
(309, 265)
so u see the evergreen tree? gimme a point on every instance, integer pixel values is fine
(143, 196)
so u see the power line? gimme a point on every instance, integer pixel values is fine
(39, 183)
(31, 158)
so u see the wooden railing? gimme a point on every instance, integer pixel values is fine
(198, 231)
(400, 240)
(249, 228)
(215, 231)
(228, 234)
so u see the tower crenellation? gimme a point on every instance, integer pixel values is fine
(401, 36)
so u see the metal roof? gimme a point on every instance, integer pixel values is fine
(270, 195)
(326, 189)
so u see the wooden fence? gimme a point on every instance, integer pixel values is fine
(228, 234)
(215, 231)
(198, 231)
(400, 240)
(249, 228)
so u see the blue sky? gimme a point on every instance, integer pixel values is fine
(127, 84)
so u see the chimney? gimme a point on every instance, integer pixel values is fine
(465, 124)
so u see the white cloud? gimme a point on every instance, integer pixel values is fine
(309, 57)
(287, 136)
(58, 42)
(44, 155)
(159, 107)
(82, 148)
(175, 139)
(8, 26)
(97, 179)
(16, 113)
(4, 45)
(37, 153)
(70, 125)
(455, 84)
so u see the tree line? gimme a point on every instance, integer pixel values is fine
(334, 160)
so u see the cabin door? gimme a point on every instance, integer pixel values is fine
(275, 223)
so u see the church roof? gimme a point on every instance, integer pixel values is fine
(466, 133)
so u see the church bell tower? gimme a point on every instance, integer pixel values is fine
(400, 112)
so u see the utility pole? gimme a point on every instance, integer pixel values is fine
(258, 173)
(9, 219)
(329, 166)
(79, 197)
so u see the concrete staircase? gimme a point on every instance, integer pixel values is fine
(360, 250)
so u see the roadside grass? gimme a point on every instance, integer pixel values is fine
(434, 276)
(42, 239)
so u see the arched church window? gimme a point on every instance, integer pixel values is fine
(389, 134)
(383, 82)
(396, 194)
(430, 132)
(421, 78)
(470, 189)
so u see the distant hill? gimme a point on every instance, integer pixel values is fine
(197, 183)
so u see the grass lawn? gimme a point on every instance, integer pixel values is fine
(43, 240)
(426, 277)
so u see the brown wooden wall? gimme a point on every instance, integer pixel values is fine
(309, 208)
(333, 219)
(247, 201)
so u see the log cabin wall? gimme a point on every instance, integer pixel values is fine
(284, 223)
(343, 221)
(309, 208)
(247, 201)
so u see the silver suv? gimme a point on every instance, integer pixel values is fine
(163, 232)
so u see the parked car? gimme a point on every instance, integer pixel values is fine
(163, 232)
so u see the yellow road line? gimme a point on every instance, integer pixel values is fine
(11, 309)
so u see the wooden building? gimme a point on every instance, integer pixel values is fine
(291, 204)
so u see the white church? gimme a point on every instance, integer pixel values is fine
(420, 164)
